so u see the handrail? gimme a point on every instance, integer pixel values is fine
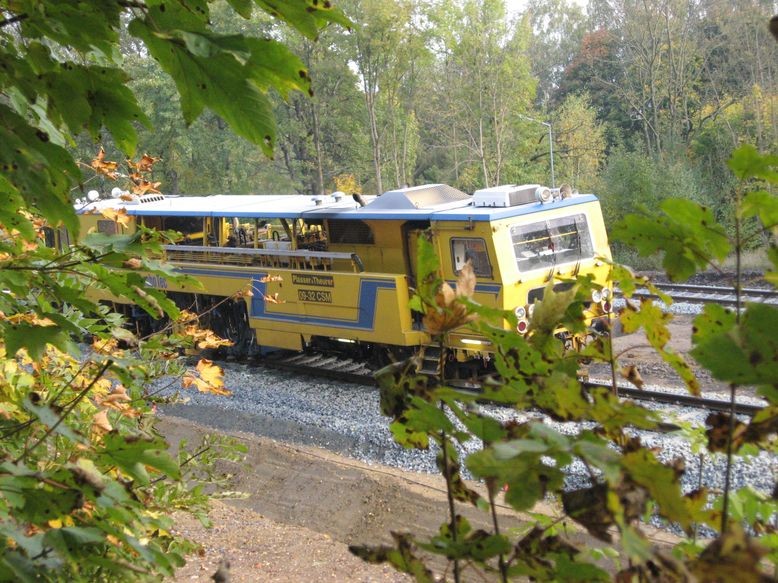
(293, 254)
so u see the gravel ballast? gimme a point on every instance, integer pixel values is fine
(345, 418)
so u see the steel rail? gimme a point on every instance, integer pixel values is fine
(343, 370)
(684, 400)
(711, 294)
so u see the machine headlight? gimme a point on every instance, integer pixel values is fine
(531, 309)
(596, 296)
(520, 312)
(607, 293)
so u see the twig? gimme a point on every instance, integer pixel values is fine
(183, 463)
(67, 411)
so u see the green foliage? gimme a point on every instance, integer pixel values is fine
(579, 144)
(633, 181)
(87, 483)
(628, 480)
(686, 232)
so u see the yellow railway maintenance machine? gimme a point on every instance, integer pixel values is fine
(334, 273)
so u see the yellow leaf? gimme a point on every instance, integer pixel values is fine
(209, 372)
(55, 523)
(105, 346)
(117, 215)
(208, 378)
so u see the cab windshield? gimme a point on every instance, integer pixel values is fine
(544, 244)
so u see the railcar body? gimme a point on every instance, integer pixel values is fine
(331, 272)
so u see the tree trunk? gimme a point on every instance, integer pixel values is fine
(317, 145)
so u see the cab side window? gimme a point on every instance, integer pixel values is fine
(473, 250)
(107, 227)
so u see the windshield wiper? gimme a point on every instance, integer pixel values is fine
(578, 257)
(551, 246)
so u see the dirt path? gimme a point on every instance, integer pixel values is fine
(306, 505)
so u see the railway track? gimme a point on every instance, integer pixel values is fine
(705, 294)
(353, 372)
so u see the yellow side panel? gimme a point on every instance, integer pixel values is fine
(366, 307)
(286, 340)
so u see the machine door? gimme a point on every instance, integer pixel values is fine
(412, 232)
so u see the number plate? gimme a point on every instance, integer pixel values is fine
(314, 295)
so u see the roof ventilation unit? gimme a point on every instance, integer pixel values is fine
(505, 195)
(143, 199)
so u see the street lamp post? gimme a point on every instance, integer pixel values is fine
(550, 143)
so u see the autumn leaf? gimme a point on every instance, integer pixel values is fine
(105, 345)
(30, 318)
(243, 293)
(203, 338)
(466, 281)
(632, 374)
(145, 164)
(132, 263)
(100, 165)
(273, 299)
(100, 423)
(206, 378)
(118, 400)
(117, 215)
(142, 187)
(268, 278)
(28, 246)
(449, 312)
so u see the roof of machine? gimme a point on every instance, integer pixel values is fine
(436, 202)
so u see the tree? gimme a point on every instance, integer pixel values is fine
(375, 46)
(595, 71)
(579, 143)
(487, 76)
(86, 479)
(558, 27)
(326, 135)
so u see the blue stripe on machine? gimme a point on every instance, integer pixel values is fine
(366, 306)
(482, 288)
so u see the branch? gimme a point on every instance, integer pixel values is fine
(192, 457)
(132, 4)
(13, 20)
(67, 411)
